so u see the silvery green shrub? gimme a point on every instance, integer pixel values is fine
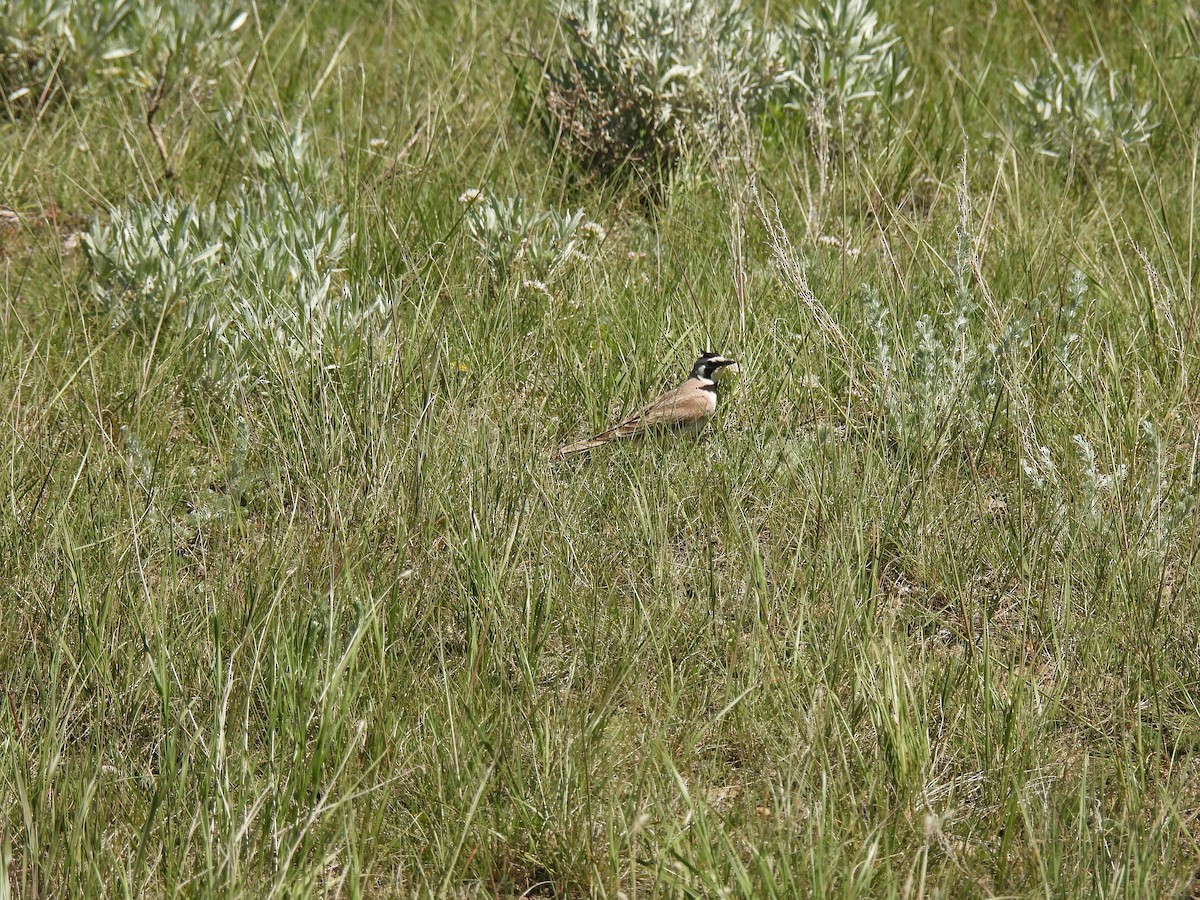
(50, 46)
(512, 239)
(255, 276)
(842, 62)
(1081, 110)
(149, 259)
(641, 81)
(1087, 494)
(946, 384)
(51, 49)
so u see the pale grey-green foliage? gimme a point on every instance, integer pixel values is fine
(947, 381)
(933, 385)
(148, 258)
(643, 81)
(1067, 337)
(1080, 490)
(1081, 109)
(515, 240)
(842, 61)
(1084, 494)
(44, 45)
(255, 274)
(184, 35)
(930, 381)
(1077, 491)
(55, 46)
(1166, 496)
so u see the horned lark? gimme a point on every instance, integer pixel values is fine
(686, 407)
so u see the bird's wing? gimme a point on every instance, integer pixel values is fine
(679, 407)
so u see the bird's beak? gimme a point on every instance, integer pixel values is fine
(729, 367)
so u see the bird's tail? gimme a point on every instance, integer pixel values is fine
(586, 444)
(625, 429)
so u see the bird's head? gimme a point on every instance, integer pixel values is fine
(711, 365)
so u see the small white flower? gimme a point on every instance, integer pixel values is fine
(831, 240)
(537, 287)
(471, 196)
(595, 231)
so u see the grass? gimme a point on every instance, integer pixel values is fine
(325, 616)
